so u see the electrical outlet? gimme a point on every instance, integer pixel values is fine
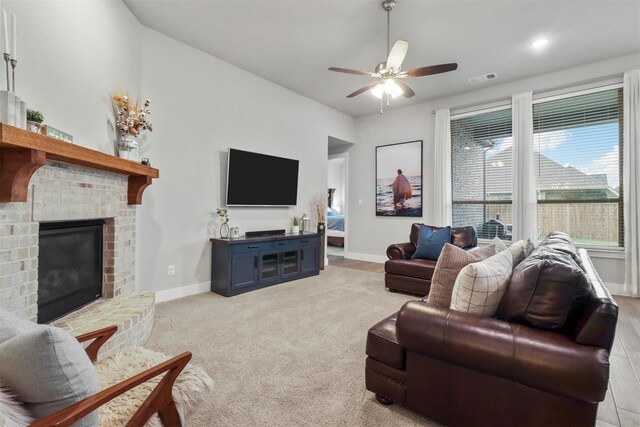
(171, 271)
(359, 201)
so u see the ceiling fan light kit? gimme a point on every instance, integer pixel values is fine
(388, 73)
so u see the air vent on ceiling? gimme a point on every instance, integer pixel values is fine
(483, 78)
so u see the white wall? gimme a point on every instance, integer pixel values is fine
(201, 106)
(72, 56)
(417, 122)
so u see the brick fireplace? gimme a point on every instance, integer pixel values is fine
(63, 192)
(43, 180)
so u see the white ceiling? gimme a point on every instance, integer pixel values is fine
(293, 42)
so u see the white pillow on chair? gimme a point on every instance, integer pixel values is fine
(48, 370)
(12, 325)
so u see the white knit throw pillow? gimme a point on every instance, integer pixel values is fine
(480, 286)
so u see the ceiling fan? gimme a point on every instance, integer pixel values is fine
(388, 73)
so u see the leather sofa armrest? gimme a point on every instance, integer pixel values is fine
(401, 250)
(543, 360)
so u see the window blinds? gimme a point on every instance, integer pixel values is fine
(481, 172)
(578, 163)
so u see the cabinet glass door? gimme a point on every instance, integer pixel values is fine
(290, 263)
(269, 266)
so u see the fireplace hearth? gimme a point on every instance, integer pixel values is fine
(70, 266)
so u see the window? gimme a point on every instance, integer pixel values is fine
(578, 161)
(482, 172)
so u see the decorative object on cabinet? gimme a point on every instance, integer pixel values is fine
(320, 203)
(131, 120)
(399, 179)
(295, 225)
(223, 214)
(321, 232)
(251, 263)
(305, 223)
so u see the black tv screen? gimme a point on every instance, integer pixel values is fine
(260, 180)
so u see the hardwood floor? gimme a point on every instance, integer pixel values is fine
(621, 406)
(354, 264)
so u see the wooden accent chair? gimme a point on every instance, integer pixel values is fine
(193, 381)
(160, 400)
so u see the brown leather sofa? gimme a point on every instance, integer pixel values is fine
(462, 369)
(414, 275)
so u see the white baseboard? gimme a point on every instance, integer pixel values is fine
(182, 291)
(366, 257)
(616, 289)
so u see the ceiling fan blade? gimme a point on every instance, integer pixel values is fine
(363, 89)
(406, 90)
(356, 72)
(397, 54)
(427, 71)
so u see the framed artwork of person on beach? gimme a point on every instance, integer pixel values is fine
(399, 179)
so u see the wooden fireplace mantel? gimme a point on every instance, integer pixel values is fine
(22, 152)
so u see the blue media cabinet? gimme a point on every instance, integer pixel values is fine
(246, 264)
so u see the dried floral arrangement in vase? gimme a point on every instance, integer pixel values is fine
(131, 121)
(320, 203)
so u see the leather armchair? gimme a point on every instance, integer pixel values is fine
(414, 275)
(462, 369)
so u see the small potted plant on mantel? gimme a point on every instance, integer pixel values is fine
(295, 225)
(34, 120)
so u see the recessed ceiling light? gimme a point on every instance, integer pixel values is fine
(539, 43)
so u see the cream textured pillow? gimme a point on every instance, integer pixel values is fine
(451, 261)
(499, 244)
(518, 252)
(528, 247)
(480, 286)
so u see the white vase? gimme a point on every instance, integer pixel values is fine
(128, 148)
(295, 229)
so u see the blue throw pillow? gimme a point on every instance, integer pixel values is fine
(430, 243)
(331, 212)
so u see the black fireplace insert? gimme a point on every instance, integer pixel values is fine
(69, 267)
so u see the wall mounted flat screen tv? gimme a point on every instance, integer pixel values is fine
(260, 180)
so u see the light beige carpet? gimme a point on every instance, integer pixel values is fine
(288, 355)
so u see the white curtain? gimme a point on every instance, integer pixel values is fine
(442, 170)
(631, 181)
(524, 179)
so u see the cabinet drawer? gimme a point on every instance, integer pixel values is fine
(286, 245)
(251, 247)
(309, 241)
